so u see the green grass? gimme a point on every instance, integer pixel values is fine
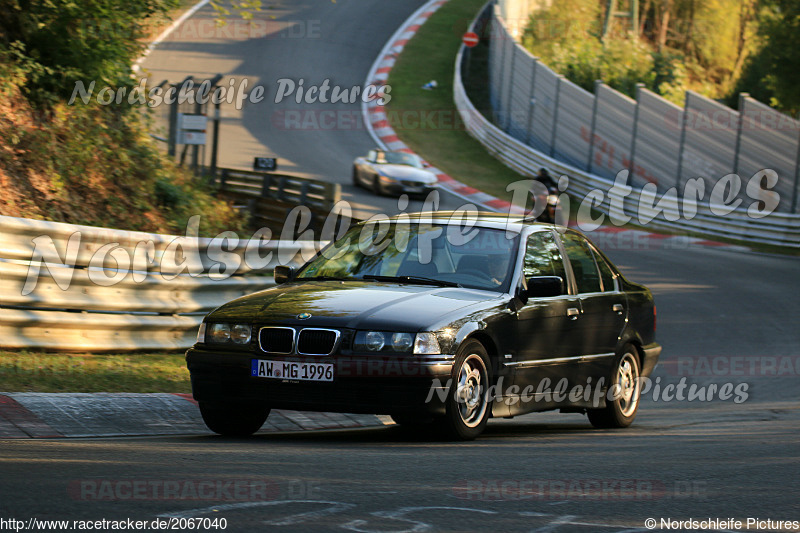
(51, 372)
(430, 55)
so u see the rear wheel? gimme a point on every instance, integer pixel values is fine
(468, 405)
(624, 393)
(233, 419)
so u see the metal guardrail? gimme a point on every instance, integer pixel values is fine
(271, 197)
(782, 229)
(63, 287)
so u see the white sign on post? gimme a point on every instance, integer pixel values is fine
(192, 137)
(192, 128)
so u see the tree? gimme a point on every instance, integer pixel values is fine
(58, 42)
(780, 28)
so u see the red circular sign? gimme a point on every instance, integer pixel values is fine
(470, 39)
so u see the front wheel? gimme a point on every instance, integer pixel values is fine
(624, 393)
(233, 419)
(468, 403)
(376, 186)
(356, 181)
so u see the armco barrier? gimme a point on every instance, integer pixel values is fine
(780, 229)
(270, 198)
(115, 290)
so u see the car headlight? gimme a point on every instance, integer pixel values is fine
(383, 341)
(426, 344)
(375, 341)
(223, 333)
(402, 342)
(201, 333)
(240, 334)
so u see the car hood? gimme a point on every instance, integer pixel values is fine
(406, 172)
(353, 304)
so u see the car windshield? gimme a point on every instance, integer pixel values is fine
(402, 158)
(430, 254)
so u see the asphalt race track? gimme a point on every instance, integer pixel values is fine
(723, 317)
(300, 40)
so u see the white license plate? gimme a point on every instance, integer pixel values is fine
(263, 368)
(412, 189)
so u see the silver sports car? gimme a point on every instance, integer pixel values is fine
(393, 173)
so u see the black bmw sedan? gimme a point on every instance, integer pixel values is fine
(438, 319)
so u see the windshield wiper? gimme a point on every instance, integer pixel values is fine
(327, 278)
(413, 279)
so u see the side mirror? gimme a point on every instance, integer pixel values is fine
(544, 286)
(283, 273)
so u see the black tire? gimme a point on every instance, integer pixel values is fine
(233, 419)
(376, 186)
(412, 420)
(624, 393)
(468, 406)
(356, 181)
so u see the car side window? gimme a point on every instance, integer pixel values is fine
(581, 258)
(543, 257)
(606, 274)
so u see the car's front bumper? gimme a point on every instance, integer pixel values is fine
(376, 385)
(393, 186)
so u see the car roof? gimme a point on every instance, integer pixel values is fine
(504, 221)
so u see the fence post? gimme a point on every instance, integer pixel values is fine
(172, 136)
(739, 128)
(198, 109)
(532, 101)
(510, 87)
(796, 176)
(501, 78)
(639, 87)
(597, 85)
(555, 117)
(215, 142)
(683, 138)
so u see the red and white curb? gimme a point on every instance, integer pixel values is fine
(377, 124)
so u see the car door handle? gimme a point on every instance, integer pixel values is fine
(618, 308)
(573, 313)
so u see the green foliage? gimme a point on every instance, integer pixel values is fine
(773, 73)
(58, 42)
(96, 165)
(698, 45)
